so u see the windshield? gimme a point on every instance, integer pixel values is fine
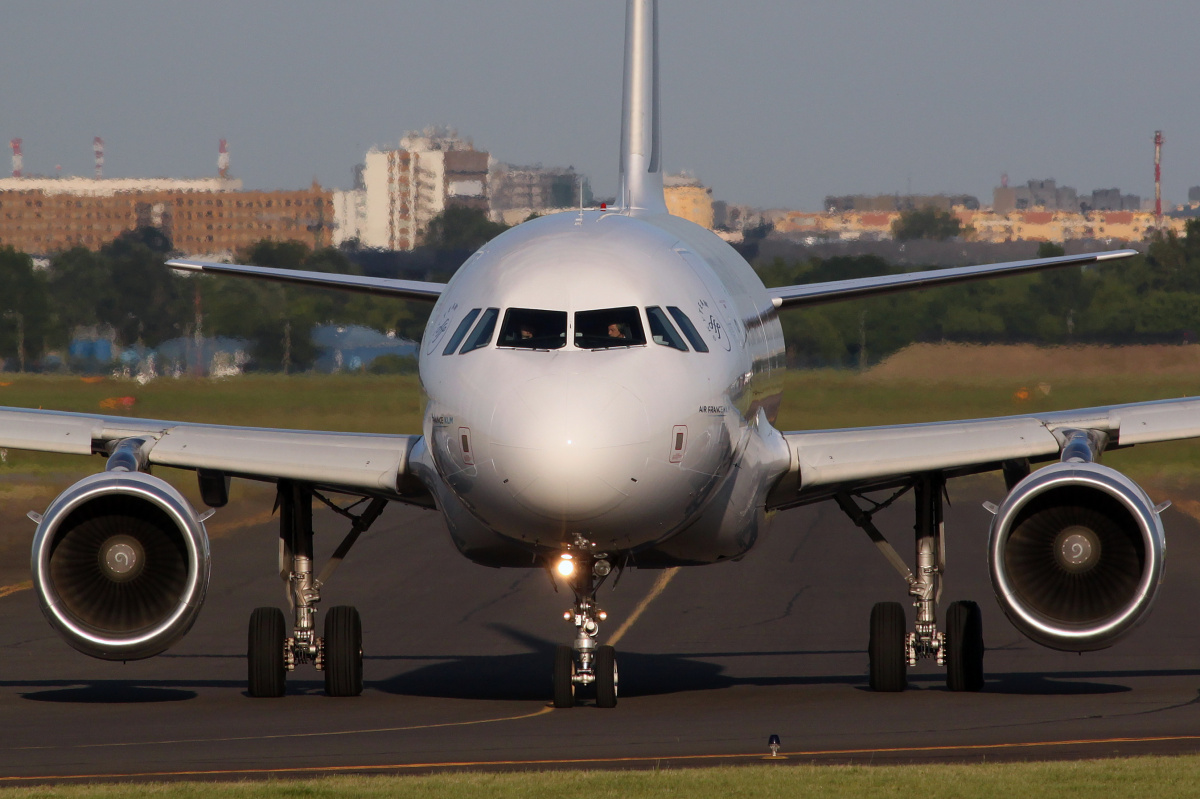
(482, 335)
(532, 329)
(463, 327)
(610, 327)
(689, 329)
(662, 331)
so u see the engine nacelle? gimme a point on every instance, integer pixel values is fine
(1076, 556)
(121, 565)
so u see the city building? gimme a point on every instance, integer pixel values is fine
(518, 191)
(1047, 195)
(888, 203)
(42, 216)
(349, 216)
(688, 198)
(981, 226)
(405, 188)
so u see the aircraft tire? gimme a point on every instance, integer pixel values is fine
(564, 670)
(886, 650)
(266, 669)
(964, 647)
(606, 676)
(343, 652)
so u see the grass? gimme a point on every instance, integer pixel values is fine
(1160, 777)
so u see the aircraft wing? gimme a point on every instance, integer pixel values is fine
(403, 289)
(374, 465)
(825, 462)
(856, 288)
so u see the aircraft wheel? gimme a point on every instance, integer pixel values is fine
(564, 671)
(889, 660)
(343, 652)
(266, 668)
(964, 647)
(606, 676)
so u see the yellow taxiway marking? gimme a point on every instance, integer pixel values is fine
(659, 586)
(591, 761)
(15, 587)
(224, 528)
(1189, 506)
(240, 738)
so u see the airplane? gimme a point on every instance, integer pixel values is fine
(602, 391)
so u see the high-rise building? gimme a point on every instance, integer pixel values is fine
(405, 188)
(1047, 195)
(518, 191)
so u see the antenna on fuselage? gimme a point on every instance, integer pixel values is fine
(641, 139)
(579, 219)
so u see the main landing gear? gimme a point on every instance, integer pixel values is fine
(585, 663)
(271, 652)
(893, 648)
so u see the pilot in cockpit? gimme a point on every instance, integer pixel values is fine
(618, 330)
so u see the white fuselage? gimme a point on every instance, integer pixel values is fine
(635, 448)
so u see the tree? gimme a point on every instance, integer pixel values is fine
(81, 283)
(24, 308)
(148, 300)
(460, 228)
(926, 223)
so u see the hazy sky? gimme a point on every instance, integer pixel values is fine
(774, 103)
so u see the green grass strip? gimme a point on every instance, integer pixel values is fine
(1159, 777)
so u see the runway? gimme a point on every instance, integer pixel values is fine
(458, 661)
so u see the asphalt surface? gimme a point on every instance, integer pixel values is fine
(458, 662)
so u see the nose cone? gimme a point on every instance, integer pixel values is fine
(570, 448)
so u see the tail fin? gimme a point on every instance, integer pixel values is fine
(641, 140)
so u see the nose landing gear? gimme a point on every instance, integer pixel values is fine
(586, 663)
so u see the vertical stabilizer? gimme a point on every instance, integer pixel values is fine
(641, 141)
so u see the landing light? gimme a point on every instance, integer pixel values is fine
(566, 566)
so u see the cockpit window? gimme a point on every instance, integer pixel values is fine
(689, 329)
(611, 327)
(526, 328)
(481, 336)
(460, 331)
(662, 331)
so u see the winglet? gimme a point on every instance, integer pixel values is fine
(641, 137)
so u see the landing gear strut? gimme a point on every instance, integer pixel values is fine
(891, 651)
(271, 652)
(585, 662)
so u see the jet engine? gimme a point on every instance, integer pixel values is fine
(121, 565)
(1076, 555)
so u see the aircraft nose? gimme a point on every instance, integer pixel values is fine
(570, 447)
